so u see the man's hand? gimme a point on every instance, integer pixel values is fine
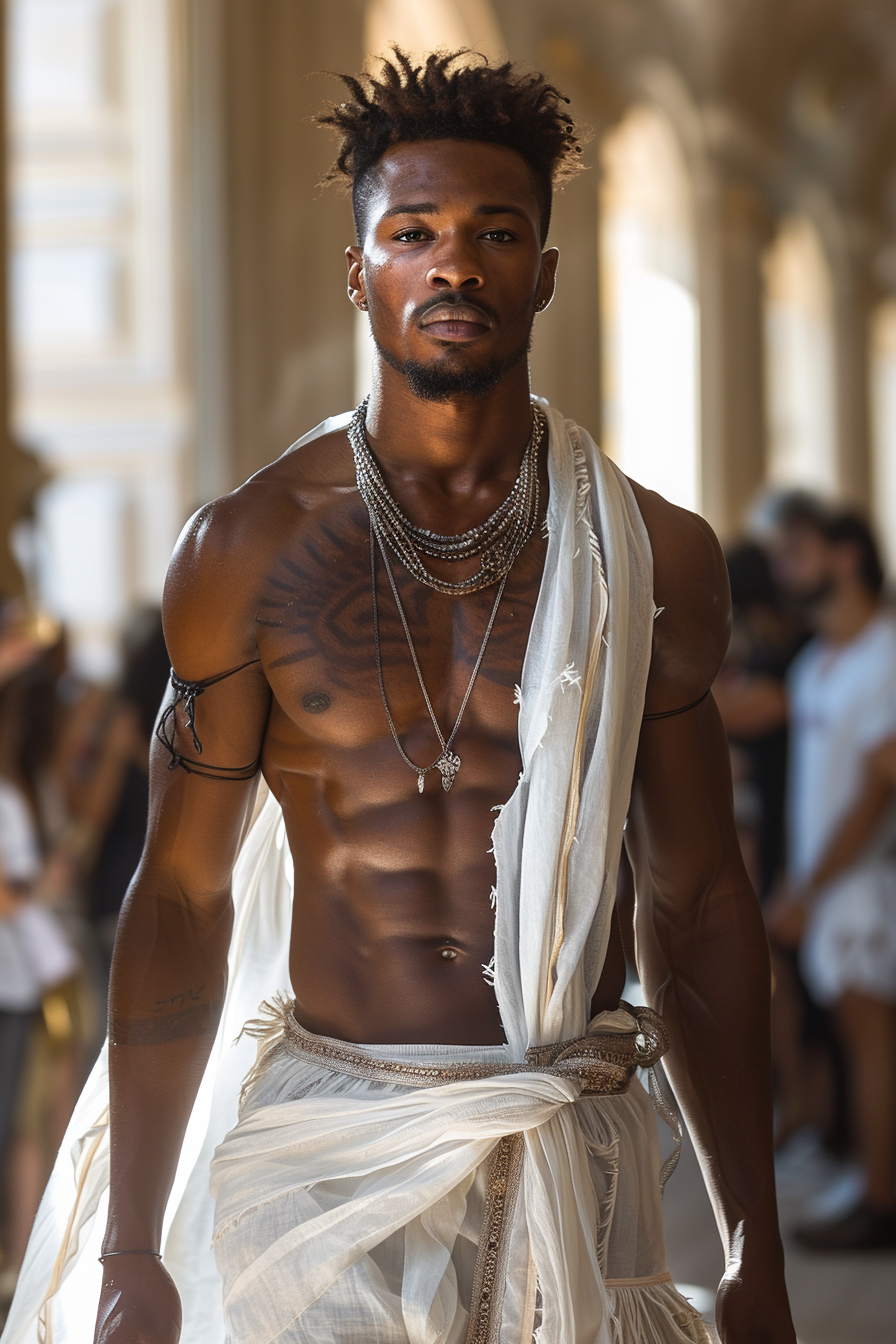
(139, 1303)
(752, 1308)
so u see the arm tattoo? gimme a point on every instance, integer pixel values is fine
(178, 1018)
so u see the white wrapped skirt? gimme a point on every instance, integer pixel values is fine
(316, 1247)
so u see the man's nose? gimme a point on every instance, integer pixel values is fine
(455, 268)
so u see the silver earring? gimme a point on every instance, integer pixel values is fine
(362, 304)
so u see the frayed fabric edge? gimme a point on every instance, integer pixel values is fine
(655, 1313)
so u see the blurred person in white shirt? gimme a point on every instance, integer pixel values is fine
(839, 901)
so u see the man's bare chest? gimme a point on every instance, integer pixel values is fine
(317, 640)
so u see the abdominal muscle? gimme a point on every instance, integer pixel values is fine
(392, 921)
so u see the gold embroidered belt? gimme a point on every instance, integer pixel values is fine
(603, 1062)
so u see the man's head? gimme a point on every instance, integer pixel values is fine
(452, 168)
(819, 552)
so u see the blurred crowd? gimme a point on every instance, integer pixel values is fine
(808, 698)
(73, 804)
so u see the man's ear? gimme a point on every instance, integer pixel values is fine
(548, 281)
(354, 257)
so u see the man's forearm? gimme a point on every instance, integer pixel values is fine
(705, 968)
(168, 981)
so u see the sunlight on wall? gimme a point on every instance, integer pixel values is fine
(799, 343)
(883, 407)
(421, 28)
(650, 313)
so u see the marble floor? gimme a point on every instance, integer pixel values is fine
(836, 1299)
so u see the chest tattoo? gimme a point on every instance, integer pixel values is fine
(315, 603)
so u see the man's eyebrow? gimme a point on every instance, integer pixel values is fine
(501, 210)
(421, 208)
(430, 208)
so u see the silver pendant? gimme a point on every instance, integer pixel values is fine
(420, 781)
(448, 765)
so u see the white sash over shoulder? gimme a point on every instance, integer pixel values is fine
(556, 846)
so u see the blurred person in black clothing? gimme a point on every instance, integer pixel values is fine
(752, 698)
(117, 801)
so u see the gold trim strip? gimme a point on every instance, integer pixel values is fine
(502, 1186)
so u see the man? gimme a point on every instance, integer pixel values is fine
(840, 904)
(369, 600)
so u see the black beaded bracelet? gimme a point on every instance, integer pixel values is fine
(107, 1255)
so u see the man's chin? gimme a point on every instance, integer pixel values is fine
(451, 375)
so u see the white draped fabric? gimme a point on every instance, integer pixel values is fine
(556, 845)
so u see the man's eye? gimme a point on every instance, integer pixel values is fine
(410, 235)
(498, 235)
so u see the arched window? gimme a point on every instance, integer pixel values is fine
(650, 312)
(800, 359)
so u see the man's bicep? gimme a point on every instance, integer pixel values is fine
(200, 800)
(206, 752)
(681, 835)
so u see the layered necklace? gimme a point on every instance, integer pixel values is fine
(498, 541)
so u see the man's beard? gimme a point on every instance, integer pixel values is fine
(439, 380)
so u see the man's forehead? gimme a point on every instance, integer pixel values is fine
(437, 172)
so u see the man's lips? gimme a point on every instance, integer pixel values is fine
(456, 322)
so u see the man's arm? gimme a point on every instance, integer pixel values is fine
(170, 965)
(701, 947)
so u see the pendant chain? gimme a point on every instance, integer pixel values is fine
(498, 541)
(447, 762)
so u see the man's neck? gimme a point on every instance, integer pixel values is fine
(451, 445)
(846, 613)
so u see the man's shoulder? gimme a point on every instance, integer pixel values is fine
(690, 587)
(689, 568)
(306, 476)
(231, 544)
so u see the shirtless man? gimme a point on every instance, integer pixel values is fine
(392, 925)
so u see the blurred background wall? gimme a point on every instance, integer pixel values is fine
(726, 315)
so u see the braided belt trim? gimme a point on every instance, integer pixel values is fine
(603, 1062)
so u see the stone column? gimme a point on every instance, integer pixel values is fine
(848, 251)
(732, 230)
(274, 332)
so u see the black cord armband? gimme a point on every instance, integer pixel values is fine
(670, 713)
(186, 693)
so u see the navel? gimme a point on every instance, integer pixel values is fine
(448, 953)
(315, 702)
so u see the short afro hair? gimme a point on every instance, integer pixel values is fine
(454, 95)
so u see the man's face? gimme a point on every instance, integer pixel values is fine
(451, 266)
(803, 562)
